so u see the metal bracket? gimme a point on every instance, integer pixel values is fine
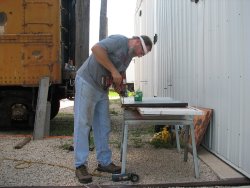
(196, 1)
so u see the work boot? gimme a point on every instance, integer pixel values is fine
(83, 175)
(111, 168)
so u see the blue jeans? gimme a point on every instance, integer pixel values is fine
(91, 108)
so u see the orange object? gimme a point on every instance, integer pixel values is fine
(30, 42)
(201, 123)
(35, 42)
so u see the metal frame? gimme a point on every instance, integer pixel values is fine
(132, 117)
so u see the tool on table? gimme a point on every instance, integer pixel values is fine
(125, 177)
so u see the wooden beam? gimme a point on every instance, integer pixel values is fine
(82, 16)
(41, 108)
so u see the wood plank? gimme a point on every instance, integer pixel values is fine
(41, 108)
(169, 111)
(22, 143)
(47, 120)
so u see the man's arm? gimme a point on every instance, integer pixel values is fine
(102, 58)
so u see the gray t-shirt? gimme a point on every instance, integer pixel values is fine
(117, 49)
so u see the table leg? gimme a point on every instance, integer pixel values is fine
(124, 148)
(195, 158)
(121, 146)
(177, 137)
(186, 142)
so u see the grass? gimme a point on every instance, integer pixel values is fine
(62, 125)
(67, 146)
(137, 142)
(113, 112)
(113, 94)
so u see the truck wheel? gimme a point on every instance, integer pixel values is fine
(55, 106)
(5, 121)
(16, 112)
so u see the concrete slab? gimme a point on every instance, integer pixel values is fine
(223, 170)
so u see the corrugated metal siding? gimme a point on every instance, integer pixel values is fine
(226, 39)
(202, 57)
(145, 66)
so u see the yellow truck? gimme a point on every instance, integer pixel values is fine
(36, 41)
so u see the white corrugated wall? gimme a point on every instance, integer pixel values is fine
(202, 57)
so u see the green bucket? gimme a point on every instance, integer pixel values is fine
(138, 96)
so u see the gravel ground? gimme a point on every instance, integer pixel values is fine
(47, 162)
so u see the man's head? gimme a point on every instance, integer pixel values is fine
(140, 45)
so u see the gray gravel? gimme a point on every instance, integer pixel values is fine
(47, 163)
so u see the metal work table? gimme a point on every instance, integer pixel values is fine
(163, 112)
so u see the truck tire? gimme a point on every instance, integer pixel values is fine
(55, 107)
(16, 112)
(5, 121)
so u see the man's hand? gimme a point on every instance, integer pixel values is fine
(117, 78)
(117, 89)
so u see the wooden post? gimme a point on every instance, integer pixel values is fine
(41, 108)
(103, 30)
(82, 15)
(47, 120)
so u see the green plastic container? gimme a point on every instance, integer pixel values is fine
(138, 96)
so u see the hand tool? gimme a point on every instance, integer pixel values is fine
(107, 81)
(125, 177)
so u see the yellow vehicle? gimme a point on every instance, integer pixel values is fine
(36, 41)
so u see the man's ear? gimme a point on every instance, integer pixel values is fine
(138, 41)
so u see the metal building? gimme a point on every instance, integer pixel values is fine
(202, 57)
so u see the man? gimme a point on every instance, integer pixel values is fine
(91, 109)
